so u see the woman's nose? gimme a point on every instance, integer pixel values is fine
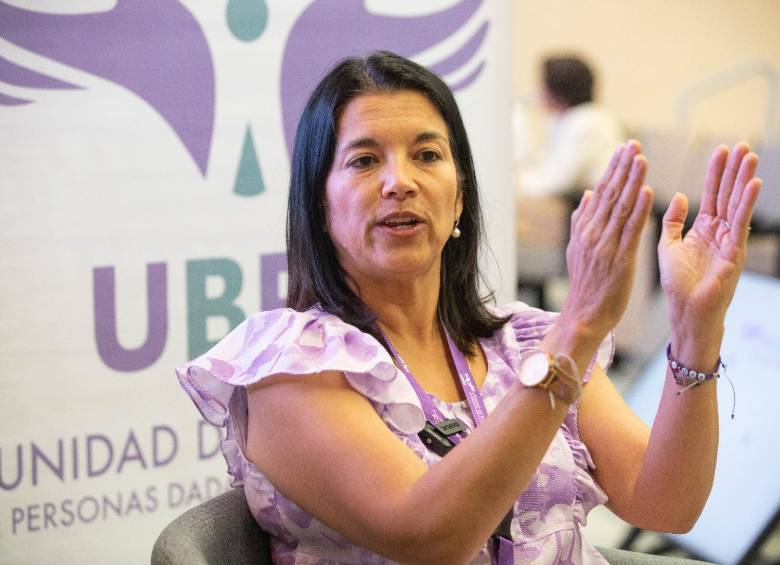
(398, 179)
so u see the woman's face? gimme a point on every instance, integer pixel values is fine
(392, 192)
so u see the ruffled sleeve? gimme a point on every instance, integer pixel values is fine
(285, 341)
(529, 326)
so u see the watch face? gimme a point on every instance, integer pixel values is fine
(534, 368)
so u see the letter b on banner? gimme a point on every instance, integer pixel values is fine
(201, 307)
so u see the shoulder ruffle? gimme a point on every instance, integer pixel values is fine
(529, 325)
(589, 493)
(285, 341)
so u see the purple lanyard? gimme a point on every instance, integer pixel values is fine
(504, 551)
(432, 413)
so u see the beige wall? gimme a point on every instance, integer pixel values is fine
(648, 52)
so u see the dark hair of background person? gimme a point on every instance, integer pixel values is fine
(568, 79)
(314, 273)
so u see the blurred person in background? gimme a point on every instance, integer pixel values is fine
(550, 181)
(581, 137)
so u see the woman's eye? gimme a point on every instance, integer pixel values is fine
(429, 156)
(362, 161)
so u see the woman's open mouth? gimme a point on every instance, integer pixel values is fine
(402, 224)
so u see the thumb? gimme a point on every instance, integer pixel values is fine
(674, 219)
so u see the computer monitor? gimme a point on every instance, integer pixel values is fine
(745, 497)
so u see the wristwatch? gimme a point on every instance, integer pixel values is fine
(540, 370)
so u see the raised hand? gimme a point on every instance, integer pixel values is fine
(605, 233)
(699, 272)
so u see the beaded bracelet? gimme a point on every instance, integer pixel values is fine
(689, 378)
(686, 377)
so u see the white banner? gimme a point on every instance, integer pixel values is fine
(143, 174)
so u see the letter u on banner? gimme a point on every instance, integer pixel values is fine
(108, 346)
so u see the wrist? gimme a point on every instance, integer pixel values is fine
(696, 337)
(689, 318)
(576, 341)
(695, 350)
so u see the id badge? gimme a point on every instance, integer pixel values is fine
(451, 426)
(434, 440)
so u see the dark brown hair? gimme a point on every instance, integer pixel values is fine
(568, 79)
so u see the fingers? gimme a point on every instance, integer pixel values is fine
(715, 169)
(613, 163)
(624, 206)
(728, 178)
(674, 219)
(747, 170)
(740, 225)
(603, 213)
(584, 202)
(606, 195)
(605, 179)
(632, 230)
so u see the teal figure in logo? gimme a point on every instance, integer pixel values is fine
(247, 18)
(249, 179)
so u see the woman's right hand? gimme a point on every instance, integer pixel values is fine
(601, 255)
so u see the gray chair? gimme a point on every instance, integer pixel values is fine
(220, 530)
(223, 531)
(623, 557)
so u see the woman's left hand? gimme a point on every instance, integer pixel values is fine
(699, 272)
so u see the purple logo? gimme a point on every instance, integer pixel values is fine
(330, 30)
(157, 50)
(154, 48)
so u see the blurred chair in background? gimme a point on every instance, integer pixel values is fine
(765, 237)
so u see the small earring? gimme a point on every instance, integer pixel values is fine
(456, 232)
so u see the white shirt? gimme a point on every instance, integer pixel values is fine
(582, 140)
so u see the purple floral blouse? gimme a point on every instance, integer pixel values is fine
(548, 516)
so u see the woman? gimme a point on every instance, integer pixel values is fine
(390, 415)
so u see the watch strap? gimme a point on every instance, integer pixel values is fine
(560, 383)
